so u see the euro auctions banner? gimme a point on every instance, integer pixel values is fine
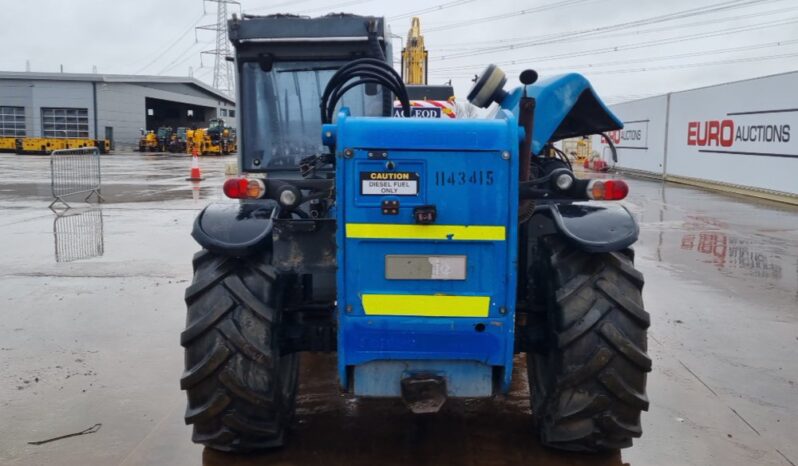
(641, 142)
(764, 133)
(634, 135)
(741, 133)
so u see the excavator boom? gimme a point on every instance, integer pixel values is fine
(414, 55)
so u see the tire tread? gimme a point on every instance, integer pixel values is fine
(594, 392)
(241, 391)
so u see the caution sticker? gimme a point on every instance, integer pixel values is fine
(388, 183)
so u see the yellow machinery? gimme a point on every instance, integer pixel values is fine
(148, 142)
(153, 141)
(28, 145)
(216, 139)
(178, 141)
(414, 55)
(104, 145)
(583, 148)
(578, 149)
(426, 101)
(164, 135)
(8, 144)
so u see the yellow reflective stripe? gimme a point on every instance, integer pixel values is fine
(425, 305)
(406, 231)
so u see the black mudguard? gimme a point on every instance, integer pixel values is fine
(235, 229)
(592, 228)
(305, 245)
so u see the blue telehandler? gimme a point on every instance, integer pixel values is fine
(426, 253)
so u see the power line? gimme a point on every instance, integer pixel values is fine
(337, 5)
(169, 47)
(567, 36)
(715, 21)
(277, 5)
(512, 14)
(590, 66)
(181, 58)
(730, 61)
(639, 45)
(595, 31)
(630, 61)
(408, 14)
(697, 64)
(431, 9)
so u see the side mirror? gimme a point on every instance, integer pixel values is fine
(528, 77)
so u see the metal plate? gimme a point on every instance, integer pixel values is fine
(425, 267)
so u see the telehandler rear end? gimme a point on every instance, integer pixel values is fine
(425, 252)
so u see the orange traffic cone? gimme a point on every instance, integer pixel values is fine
(196, 174)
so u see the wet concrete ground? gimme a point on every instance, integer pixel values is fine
(92, 310)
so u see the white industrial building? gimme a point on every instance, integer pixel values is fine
(103, 106)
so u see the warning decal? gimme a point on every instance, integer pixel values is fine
(388, 183)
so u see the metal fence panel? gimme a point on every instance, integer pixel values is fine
(79, 236)
(75, 171)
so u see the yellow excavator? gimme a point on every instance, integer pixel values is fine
(415, 56)
(426, 101)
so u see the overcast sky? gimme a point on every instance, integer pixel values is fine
(628, 48)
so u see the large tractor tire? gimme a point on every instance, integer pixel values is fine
(588, 380)
(241, 391)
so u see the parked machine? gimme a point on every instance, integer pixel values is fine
(148, 141)
(578, 149)
(426, 101)
(156, 141)
(45, 146)
(178, 142)
(216, 139)
(425, 252)
(8, 144)
(164, 136)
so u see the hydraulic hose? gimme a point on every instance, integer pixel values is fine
(612, 148)
(341, 91)
(366, 76)
(362, 67)
(369, 70)
(371, 64)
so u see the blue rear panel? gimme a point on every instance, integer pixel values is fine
(468, 170)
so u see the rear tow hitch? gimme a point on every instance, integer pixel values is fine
(424, 393)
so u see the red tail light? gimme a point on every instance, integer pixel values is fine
(607, 190)
(243, 188)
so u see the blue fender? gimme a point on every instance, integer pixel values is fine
(565, 106)
(592, 228)
(235, 229)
